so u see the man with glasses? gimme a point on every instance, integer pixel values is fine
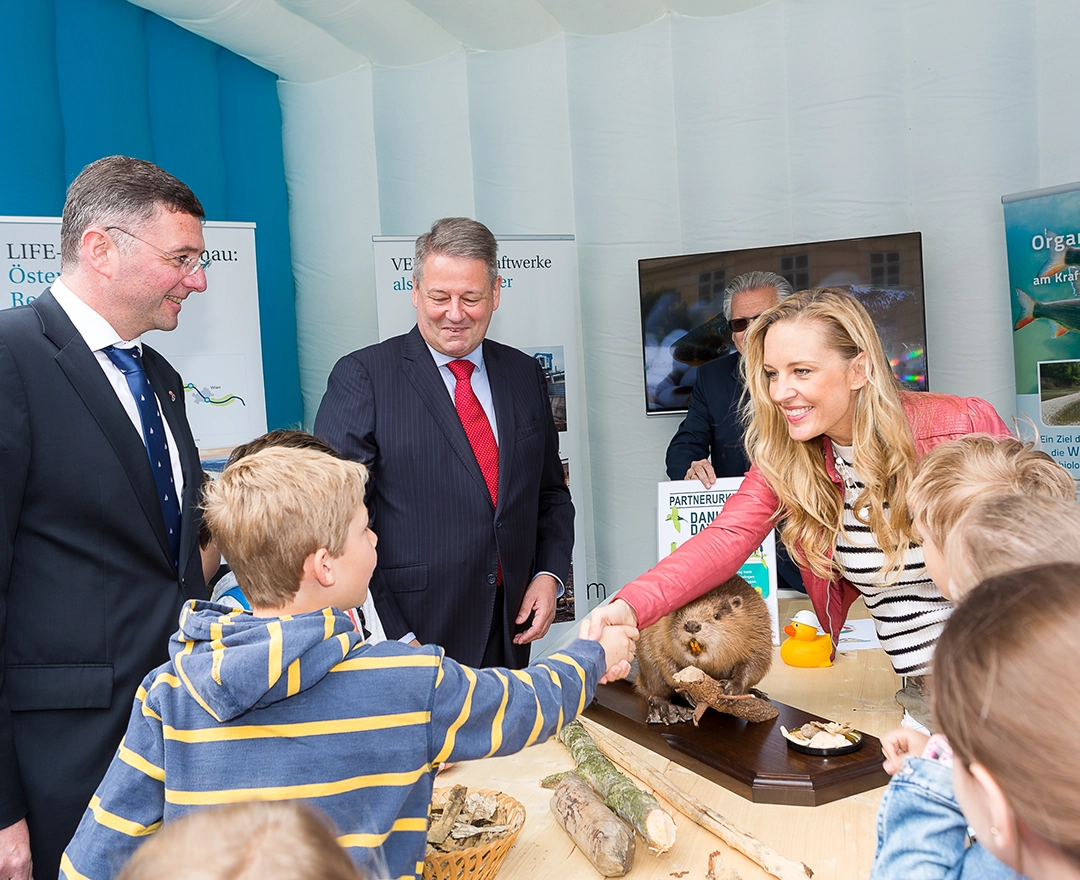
(99, 490)
(709, 442)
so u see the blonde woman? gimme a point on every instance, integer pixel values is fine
(834, 442)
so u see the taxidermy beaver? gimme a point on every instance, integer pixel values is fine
(726, 633)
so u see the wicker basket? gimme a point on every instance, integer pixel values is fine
(478, 862)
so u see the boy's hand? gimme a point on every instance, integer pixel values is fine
(619, 644)
(898, 744)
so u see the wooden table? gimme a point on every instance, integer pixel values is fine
(836, 840)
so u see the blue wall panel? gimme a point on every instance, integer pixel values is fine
(101, 62)
(185, 115)
(32, 138)
(251, 141)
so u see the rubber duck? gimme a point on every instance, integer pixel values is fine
(806, 648)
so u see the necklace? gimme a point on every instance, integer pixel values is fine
(847, 473)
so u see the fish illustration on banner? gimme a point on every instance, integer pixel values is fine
(1042, 237)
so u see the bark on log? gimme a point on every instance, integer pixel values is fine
(640, 808)
(606, 840)
(770, 860)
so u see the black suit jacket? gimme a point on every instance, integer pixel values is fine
(88, 593)
(440, 538)
(712, 427)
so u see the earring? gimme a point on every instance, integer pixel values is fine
(994, 832)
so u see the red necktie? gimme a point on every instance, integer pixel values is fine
(477, 427)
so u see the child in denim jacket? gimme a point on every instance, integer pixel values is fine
(922, 834)
(1015, 772)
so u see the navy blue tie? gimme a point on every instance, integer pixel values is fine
(129, 362)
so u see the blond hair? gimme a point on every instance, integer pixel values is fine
(1011, 632)
(884, 450)
(271, 510)
(1001, 533)
(953, 475)
(261, 840)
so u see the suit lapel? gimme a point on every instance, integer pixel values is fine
(420, 369)
(502, 396)
(84, 373)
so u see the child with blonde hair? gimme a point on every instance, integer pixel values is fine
(971, 531)
(258, 840)
(289, 702)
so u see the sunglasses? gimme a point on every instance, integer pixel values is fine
(739, 325)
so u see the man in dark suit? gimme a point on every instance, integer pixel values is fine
(91, 579)
(709, 442)
(467, 493)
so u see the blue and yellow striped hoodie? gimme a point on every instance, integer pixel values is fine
(300, 707)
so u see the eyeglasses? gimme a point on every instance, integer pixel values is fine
(187, 265)
(739, 325)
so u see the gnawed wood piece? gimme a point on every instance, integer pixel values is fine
(606, 840)
(640, 808)
(706, 691)
(770, 860)
(440, 827)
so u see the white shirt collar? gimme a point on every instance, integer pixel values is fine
(476, 356)
(95, 330)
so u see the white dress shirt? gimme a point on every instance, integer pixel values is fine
(98, 334)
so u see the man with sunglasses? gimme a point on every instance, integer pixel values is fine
(709, 442)
(99, 497)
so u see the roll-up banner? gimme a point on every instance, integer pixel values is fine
(216, 348)
(538, 314)
(1042, 236)
(685, 507)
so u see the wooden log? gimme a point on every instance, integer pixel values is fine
(762, 854)
(640, 808)
(606, 840)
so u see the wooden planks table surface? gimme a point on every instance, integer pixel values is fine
(836, 840)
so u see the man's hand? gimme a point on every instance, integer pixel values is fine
(15, 852)
(898, 744)
(539, 601)
(701, 470)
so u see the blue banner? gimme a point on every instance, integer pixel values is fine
(1042, 234)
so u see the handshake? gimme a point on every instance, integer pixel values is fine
(614, 626)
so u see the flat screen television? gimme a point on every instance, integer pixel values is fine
(682, 297)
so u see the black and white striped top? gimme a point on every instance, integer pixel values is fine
(908, 614)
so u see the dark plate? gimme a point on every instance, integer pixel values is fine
(854, 736)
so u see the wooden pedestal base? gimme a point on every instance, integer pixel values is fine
(752, 760)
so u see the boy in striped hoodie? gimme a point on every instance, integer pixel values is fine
(289, 702)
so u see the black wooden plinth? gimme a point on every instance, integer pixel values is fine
(752, 760)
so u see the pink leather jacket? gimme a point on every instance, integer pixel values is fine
(719, 550)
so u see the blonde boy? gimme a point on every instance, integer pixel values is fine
(954, 475)
(289, 702)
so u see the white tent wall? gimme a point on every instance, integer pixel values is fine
(331, 173)
(424, 148)
(622, 129)
(645, 131)
(972, 110)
